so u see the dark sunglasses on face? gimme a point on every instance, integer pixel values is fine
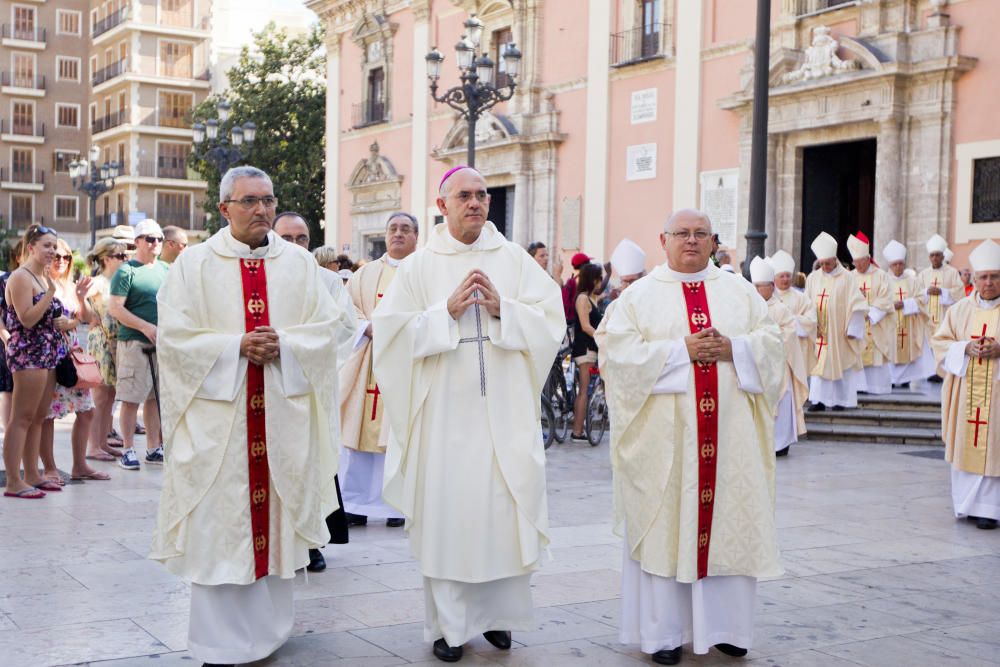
(119, 255)
(64, 258)
(152, 239)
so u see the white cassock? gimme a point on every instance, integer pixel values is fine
(685, 578)
(789, 422)
(248, 480)
(468, 470)
(837, 374)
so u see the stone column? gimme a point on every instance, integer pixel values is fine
(522, 219)
(595, 189)
(888, 186)
(419, 124)
(771, 206)
(333, 180)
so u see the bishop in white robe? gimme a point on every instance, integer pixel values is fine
(802, 309)
(942, 286)
(247, 346)
(967, 349)
(692, 388)
(872, 282)
(462, 345)
(911, 359)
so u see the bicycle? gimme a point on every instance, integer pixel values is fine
(596, 422)
(548, 424)
(561, 394)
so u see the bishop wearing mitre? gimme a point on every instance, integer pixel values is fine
(873, 284)
(966, 347)
(463, 342)
(837, 372)
(692, 386)
(942, 283)
(910, 358)
(247, 346)
(362, 458)
(789, 421)
(802, 309)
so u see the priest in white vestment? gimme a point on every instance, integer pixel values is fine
(463, 342)
(873, 283)
(692, 387)
(911, 359)
(362, 457)
(803, 310)
(942, 286)
(966, 347)
(837, 373)
(789, 421)
(247, 345)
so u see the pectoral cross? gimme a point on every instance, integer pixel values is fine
(978, 423)
(375, 394)
(478, 338)
(822, 297)
(979, 362)
(865, 289)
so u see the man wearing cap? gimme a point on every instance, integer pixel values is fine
(837, 373)
(692, 386)
(463, 341)
(362, 457)
(873, 284)
(569, 288)
(802, 309)
(967, 349)
(133, 304)
(790, 421)
(909, 357)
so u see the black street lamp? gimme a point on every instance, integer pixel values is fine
(756, 234)
(223, 151)
(93, 180)
(477, 92)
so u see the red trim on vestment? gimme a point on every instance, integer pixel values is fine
(255, 313)
(706, 390)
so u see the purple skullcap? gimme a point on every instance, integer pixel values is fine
(451, 171)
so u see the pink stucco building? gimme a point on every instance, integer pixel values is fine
(882, 118)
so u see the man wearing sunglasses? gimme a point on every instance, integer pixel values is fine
(175, 240)
(133, 304)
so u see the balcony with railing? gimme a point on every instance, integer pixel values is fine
(647, 42)
(169, 119)
(22, 178)
(34, 37)
(112, 120)
(22, 131)
(802, 8)
(25, 84)
(369, 113)
(109, 72)
(109, 22)
(163, 167)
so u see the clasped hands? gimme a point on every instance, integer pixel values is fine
(709, 346)
(983, 348)
(476, 288)
(260, 346)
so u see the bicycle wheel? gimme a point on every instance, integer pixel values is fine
(548, 424)
(597, 417)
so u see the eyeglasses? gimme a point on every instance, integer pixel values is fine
(151, 239)
(177, 243)
(300, 239)
(465, 196)
(250, 203)
(64, 258)
(699, 235)
(119, 255)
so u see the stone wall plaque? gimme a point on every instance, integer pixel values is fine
(720, 200)
(643, 106)
(640, 162)
(570, 216)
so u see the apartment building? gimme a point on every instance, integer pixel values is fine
(121, 75)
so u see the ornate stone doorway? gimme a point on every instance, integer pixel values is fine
(838, 193)
(502, 209)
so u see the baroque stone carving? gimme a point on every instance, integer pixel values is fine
(821, 59)
(374, 183)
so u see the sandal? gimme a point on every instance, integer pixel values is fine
(55, 479)
(100, 456)
(96, 476)
(29, 493)
(48, 485)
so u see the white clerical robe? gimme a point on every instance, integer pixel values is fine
(804, 312)
(970, 406)
(241, 582)
(912, 359)
(789, 421)
(837, 373)
(874, 287)
(679, 582)
(468, 470)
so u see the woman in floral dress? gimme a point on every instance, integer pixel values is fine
(108, 254)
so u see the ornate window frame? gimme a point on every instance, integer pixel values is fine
(373, 35)
(965, 156)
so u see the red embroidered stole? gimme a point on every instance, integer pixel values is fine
(255, 315)
(706, 389)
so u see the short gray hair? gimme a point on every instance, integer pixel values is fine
(228, 182)
(403, 214)
(687, 212)
(325, 255)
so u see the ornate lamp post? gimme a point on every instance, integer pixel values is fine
(221, 151)
(756, 234)
(93, 180)
(477, 92)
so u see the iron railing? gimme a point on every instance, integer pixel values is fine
(23, 176)
(22, 129)
(31, 82)
(36, 34)
(639, 44)
(368, 113)
(113, 119)
(109, 72)
(109, 22)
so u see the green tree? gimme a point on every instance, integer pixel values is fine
(280, 85)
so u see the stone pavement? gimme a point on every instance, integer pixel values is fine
(878, 573)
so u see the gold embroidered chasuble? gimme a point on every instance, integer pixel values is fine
(910, 331)
(874, 286)
(948, 280)
(836, 298)
(804, 311)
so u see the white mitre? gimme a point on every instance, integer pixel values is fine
(761, 271)
(936, 244)
(628, 258)
(824, 246)
(894, 251)
(857, 247)
(986, 256)
(948, 255)
(782, 262)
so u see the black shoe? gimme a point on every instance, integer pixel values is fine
(734, 651)
(573, 437)
(839, 408)
(447, 653)
(499, 638)
(316, 561)
(783, 452)
(668, 657)
(936, 379)
(356, 519)
(217, 664)
(986, 524)
(816, 407)
(395, 523)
